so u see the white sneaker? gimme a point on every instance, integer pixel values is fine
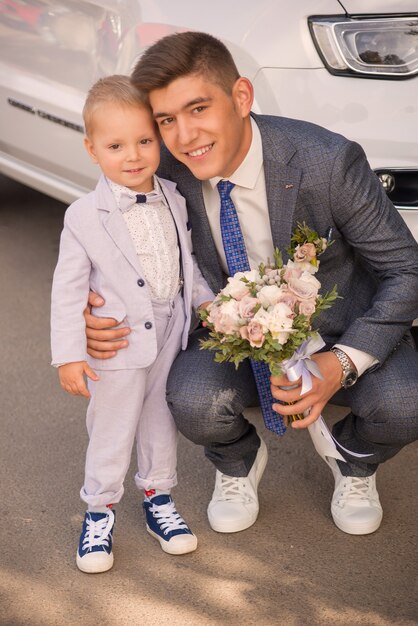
(234, 504)
(355, 506)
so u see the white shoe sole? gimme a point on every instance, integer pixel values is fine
(187, 544)
(365, 528)
(233, 526)
(94, 566)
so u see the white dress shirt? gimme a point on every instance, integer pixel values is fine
(250, 200)
(154, 234)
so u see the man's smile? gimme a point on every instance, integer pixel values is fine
(200, 151)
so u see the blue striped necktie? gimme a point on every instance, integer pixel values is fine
(237, 261)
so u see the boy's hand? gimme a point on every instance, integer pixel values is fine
(103, 340)
(204, 305)
(72, 379)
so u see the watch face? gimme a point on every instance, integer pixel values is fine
(349, 380)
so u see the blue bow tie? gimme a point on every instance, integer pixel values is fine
(127, 202)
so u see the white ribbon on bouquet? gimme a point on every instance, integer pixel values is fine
(300, 365)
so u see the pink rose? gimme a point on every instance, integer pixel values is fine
(306, 287)
(307, 307)
(253, 333)
(246, 307)
(305, 252)
(288, 298)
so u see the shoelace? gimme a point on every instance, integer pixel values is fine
(97, 533)
(356, 488)
(167, 517)
(233, 488)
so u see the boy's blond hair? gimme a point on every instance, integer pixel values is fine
(116, 89)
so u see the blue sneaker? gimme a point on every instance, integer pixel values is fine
(94, 552)
(167, 526)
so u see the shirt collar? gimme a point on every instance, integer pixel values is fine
(246, 174)
(118, 190)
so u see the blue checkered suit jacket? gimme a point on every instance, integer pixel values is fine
(320, 177)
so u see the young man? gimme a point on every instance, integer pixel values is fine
(283, 172)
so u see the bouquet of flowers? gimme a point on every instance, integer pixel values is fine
(266, 314)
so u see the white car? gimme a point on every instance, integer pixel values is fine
(348, 65)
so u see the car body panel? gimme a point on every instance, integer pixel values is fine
(358, 7)
(52, 51)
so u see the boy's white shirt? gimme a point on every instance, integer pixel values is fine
(154, 234)
(97, 252)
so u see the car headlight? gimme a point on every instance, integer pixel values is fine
(375, 47)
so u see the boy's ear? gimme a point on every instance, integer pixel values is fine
(243, 95)
(88, 144)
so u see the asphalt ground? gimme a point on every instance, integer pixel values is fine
(293, 567)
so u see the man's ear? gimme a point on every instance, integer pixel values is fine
(243, 95)
(88, 144)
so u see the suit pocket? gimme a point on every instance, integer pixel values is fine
(110, 309)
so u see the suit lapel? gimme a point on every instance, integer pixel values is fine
(203, 244)
(115, 225)
(282, 185)
(282, 182)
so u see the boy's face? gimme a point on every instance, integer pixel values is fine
(125, 144)
(202, 126)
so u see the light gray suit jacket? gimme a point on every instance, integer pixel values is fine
(97, 252)
(319, 177)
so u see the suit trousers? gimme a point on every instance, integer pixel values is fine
(129, 404)
(207, 400)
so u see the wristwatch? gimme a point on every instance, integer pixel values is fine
(349, 377)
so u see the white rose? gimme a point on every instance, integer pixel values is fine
(225, 318)
(269, 295)
(236, 288)
(281, 322)
(308, 267)
(263, 317)
(251, 275)
(282, 311)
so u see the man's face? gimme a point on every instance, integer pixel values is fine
(202, 126)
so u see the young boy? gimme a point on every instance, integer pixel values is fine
(130, 241)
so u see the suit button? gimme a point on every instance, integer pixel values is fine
(140, 282)
(148, 325)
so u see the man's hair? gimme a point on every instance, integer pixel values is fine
(184, 54)
(116, 89)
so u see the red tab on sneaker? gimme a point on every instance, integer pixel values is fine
(149, 492)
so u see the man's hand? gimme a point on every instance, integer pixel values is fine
(72, 379)
(103, 340)
(316, 398)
